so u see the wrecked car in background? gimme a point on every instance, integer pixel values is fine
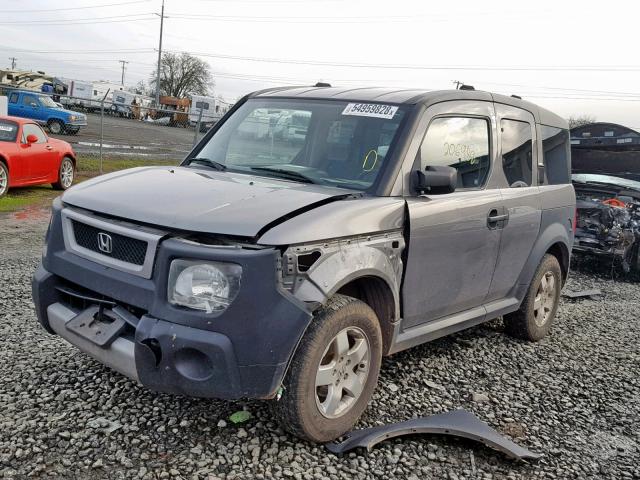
(608, 218)
(285, 266)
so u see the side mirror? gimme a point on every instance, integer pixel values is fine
(441, 179)
(32, 138)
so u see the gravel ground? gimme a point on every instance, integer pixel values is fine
(573, 397)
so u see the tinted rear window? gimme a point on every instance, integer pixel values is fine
(8, 131)
(556, 155)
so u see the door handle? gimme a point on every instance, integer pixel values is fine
(494, 217)
(49, 147)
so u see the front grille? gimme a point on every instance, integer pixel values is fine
(125, 249)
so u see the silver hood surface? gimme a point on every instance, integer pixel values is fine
(198, 200)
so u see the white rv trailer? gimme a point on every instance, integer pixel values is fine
(79, 93)
(100, 89)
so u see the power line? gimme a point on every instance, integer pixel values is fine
(74, 8)
(71, 20)
(417, 67)
(68, 24)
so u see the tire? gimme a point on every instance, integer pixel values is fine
(66, 174)
(56, 127)
(534, 318)
(344, 338)
(4, 179)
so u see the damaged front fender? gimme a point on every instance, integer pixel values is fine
(314, 272)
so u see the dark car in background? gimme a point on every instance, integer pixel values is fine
(608, 218)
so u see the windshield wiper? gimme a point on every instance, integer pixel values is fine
(209, 163)
(281, 172)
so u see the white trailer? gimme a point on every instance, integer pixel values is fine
(78, 93)
(100, 89)
(208, 107)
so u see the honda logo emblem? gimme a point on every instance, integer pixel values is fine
(105, 243)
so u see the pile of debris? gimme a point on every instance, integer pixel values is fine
(608, 218)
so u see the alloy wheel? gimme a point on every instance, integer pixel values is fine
(545, 299)
(66, 173)
(343, 372)
(4, 181)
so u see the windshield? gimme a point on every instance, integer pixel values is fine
(608, 179)
(343, 144)
(48, 102)
(8, 131)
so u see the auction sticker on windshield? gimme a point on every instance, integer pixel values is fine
(370, 110)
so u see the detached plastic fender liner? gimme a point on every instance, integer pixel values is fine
(458, 423)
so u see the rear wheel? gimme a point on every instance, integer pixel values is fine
(4, 179)
(333, 373)
(534, 318)
(66, 174)
(56, 127)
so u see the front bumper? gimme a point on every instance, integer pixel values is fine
(169, 357)
(240, 353)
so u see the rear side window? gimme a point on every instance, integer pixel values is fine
(517, 152)
(461, 143)
(555, 155)
(13, 98)
(31, 129)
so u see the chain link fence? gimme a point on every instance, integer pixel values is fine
(121, 129)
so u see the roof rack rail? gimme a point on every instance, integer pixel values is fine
(517, 96)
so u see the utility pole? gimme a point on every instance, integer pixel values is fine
(13, 62)
(159, 57)
(123, 62)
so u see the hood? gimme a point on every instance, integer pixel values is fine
(71, 112)
(198, 200)
(586, 181)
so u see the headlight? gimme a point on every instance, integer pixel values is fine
(207, 286)
(73, 118)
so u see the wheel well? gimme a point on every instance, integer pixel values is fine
(561, 252)
(376, 293)
(4, 162)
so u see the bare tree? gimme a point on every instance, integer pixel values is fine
(580, 120)
(182, 74)
(142, 88)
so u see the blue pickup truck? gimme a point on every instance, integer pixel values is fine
(45, 111)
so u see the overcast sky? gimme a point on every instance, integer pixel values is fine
(572, 57)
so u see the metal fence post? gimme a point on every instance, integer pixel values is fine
(102, 126)
(195, 137)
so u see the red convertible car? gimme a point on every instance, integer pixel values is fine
(29, 157)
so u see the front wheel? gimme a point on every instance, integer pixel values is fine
(534, 318)
(4, 179)
(333, 373)
(66, 174)
(56, 127)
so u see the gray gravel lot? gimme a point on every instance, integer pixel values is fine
(574, 396)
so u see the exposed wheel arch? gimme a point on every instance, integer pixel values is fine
(377, 293)
(561, 252)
